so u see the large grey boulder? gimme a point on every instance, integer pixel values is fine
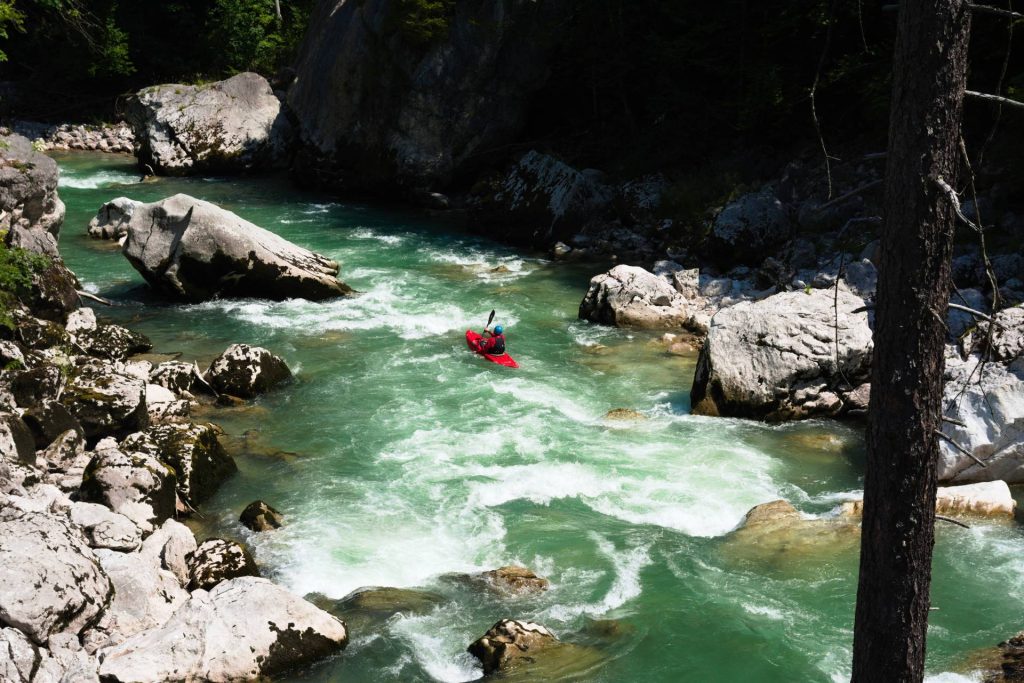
(137, 485)
(228, 126)
(246, 371)
(746, 228)
(384, 98)
(111, 221)
(52, 582)
(629, 296)
(542, 198)
(30, 211)
(776, 359)
(193, 450)
(194, 250)
(244, 629)
(106, 401)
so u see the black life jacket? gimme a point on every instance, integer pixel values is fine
(498, 347)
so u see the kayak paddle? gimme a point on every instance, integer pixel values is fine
(490, 319)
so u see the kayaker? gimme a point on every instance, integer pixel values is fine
(495, 342)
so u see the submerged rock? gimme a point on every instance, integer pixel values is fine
(216, 560)
(775, 359)
(244, 629)
(624, 414)
(191, 249)
(367, 608)
(776, 534)
(246, 371)
(510, 643)
(514, 580)
(228, 126)
(259, 516)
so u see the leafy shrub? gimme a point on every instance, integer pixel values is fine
(17, 268)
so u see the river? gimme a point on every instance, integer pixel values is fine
(400, 459)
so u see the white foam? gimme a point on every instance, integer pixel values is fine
(626, 585)
(367, 234)
(539, 483)
(438, 647)
(96, 180)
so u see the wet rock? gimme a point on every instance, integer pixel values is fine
(259, 516)
(217, 560)
(243, 629)
(510, 643)
(193, 450)
(105, 401)
(229, 126)
(112, 342)
(137, 485)
(1004, 664)
(624, 414)
(628, 296)
(75, 591)
(30, 211)
(514, 580)
(48, 420)
(777, 535)
(775, 359)
(749, 227)
(170, 547)
(367, 608)
(246, 371)
(111, 221)
(104, 528)
(194, 250)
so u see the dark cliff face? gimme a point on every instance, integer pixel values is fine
(380, 106)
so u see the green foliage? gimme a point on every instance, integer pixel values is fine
(245, 31)
(113, 55)
(421, 22)
(10, 17)
(17, 268)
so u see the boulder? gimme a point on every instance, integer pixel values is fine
(194, 250)
(385, 97)
(170, 547)
(65, 461)
(19, 657)
(246, 371)
(105, 401)
(988, 404)
(111, 221)
(749, 227)
(776, 359)
(80, 320)
(104, 528)
(624, 415)
(243, 629)
(39, 334)
(1007, 341)
(145, 597)
(984, 499)
(177, 376)
(629, 296)
(195, 453)
(366, 609)
(112, 342)
(259, 516)
(137, 485)
(777, 534)
(233, 125)
(47, 420)
(37, 386)
(163, 406)
(542, 199)
(54, 291)
(510, 642)
(514, 580)
(216, 560)
(17, 443)
(75, 590)
(31, 213)
(66, 661)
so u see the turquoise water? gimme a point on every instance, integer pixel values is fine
(400, 459)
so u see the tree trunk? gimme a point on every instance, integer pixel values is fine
(929, 68)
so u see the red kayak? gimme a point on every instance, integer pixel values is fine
(473, 341)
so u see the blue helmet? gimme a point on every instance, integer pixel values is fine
(498, 329)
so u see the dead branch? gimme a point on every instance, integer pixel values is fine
(948, 439)
(814, 92)
(954, 199)
(97, 299)
(954, 421)
(975, 313)
(951, 521)
(851, 193)
(997, 11)
(994, 98)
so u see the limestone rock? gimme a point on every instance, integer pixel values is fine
(19, 657)
(246, 371)
(30, 211)
(259, 516)
(243, 629)
(193, 450)
(379, 107)
(112, 342)
(176, 376)
(65, 461)
(194, 250)
(775, 359)
(510, 642)
(984, 499)
(16, 441)
(137, 485)
(81, 320)
(47, 420)
(105, 401)
(629, 296)
(217, 560)
(104, 528)
(111, 221)
(746, 228)
(170, 547)
(75, 590)
(229, 126)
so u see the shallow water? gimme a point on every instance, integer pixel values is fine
(399, 458)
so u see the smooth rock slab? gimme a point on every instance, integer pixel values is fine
(194, 250)
(243, 629)
(52, 582)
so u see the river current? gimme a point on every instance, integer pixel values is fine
(402, 460)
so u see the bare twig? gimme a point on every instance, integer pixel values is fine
(814, 92)
(98, 299)
(999, 88)
(994, 98)
(988, 9)
(948, 439)
(975, 313)
(951, 521)
(953, 421)
(851, 193)
(954, 199)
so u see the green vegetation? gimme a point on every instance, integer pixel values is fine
(421, 22)
(10, 17)
(17, 268)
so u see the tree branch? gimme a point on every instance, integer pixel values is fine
(851, 193)
(951, 521)
(954, 444)
(994, 98)
(987, 9)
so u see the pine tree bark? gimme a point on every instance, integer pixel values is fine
(929, 71)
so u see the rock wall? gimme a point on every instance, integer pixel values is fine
(30, 210)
